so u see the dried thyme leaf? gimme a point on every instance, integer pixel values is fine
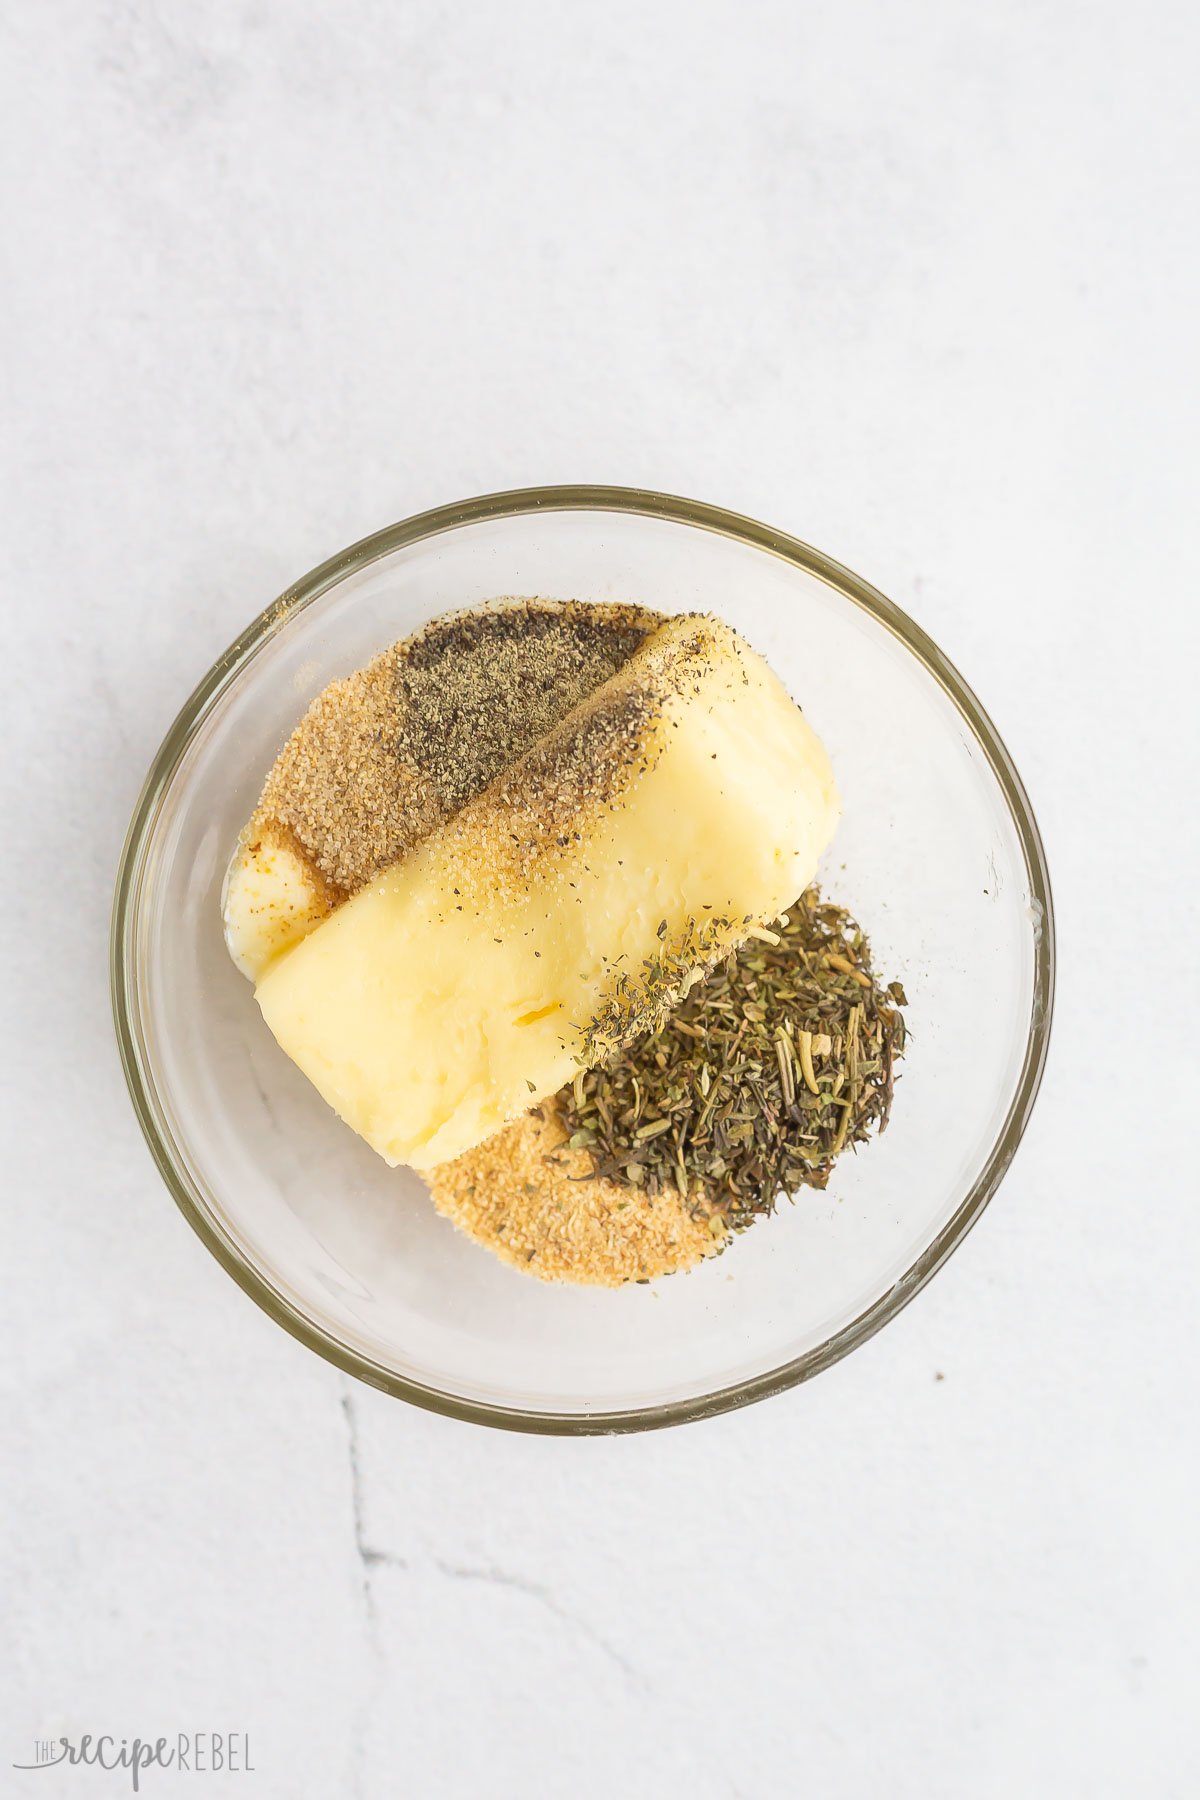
(765, 1070)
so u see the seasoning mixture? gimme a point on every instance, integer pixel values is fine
(535, 1203)
(383, 757)
(769, 1068)
(506, 803)
(455, 990)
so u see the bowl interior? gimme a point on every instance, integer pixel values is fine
(929, 855)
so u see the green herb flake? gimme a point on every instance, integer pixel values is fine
(733, 1086)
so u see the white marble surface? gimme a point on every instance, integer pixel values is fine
(916, 282)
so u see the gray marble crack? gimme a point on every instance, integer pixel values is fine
(369, 1557)
(356, 1502)
(534, 1590)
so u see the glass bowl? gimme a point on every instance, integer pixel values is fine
(937, 854)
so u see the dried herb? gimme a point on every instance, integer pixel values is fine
(767, 1069)
(638, 1000)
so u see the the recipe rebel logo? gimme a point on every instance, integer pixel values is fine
(193, 1752)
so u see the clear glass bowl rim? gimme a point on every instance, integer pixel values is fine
(227, 669)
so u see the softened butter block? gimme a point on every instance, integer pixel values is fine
(272, 899)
